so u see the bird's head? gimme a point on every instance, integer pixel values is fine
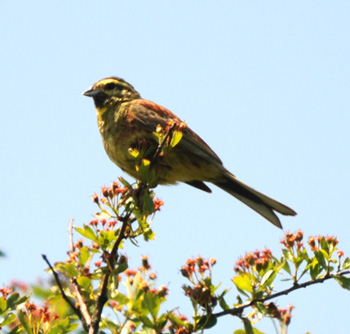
(110, 91)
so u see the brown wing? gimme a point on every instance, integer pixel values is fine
(148, 115)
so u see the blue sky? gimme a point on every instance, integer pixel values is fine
(264, 83)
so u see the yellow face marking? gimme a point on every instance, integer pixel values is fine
(101, 110)
(104, 82)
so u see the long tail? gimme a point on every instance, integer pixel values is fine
(259, 202)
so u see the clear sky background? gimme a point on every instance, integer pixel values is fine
(264, 83)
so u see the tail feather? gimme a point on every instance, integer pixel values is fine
(259, 202)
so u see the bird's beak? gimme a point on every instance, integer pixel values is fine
(91, 92)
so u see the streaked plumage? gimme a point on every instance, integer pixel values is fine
(125, 121)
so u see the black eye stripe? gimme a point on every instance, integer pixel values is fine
(110, 86)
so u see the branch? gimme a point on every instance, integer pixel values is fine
(64, 296)
(102, 297)
(238, 310)
(83, 308)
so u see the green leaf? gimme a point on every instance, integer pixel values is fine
(261, 307)
(343, 281)
(211, 322)
(146, 164)
(243, 283)
(23, 319)
(68, 268)
(305, 255)
(325, 245)
(151, 302)
(222, 301)
(298, 261)
(346, 263)
(8, 319)
(288, 255)
(147, 174)
(148, 234)
(132, 290)
(63, 326)
(120, 268)
(176, 138)
(268, 277)
(162, 320)
(134, 152)
(247, 326)
(87, 232)
(103, 214)
(286, 267)
(124, 182)
(11, 300)
(241, 331)
(315, 270)
(206, 322)
(148, 206)
(147, 322)
(120, 298)
(107, 323)
(3, 305)
(320, 256)
(156, 136)
(85, 283)
(14, 300)
(106, 238)
(113, 281)
(175, 319)
(41, 292)
(83, 255)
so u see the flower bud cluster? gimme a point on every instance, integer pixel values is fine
(157, 204)
(5, 292)
(177, 327)
(198, 272)
(316, 242)
(179, 126)
(293, 240)
(197, 266)
(253, 262)
(39, 314)
(109, 194)
(105, 224)
(284, 315)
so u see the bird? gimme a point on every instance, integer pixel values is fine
(127, 121)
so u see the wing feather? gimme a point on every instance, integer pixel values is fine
(148, 115)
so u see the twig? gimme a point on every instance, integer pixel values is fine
(64, 296)
(161, 145)
(70, 232)
(123, 324)
(121, 236)
(102, 297)
(238, 310)
(83, 308)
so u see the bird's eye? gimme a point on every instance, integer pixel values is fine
(110, 86)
